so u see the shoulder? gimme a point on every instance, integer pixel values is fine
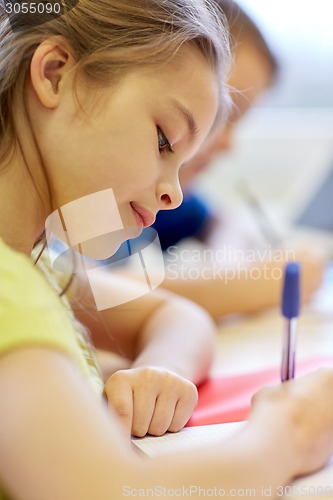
(31, 313)
(23, 287)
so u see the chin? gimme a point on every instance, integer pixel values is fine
(132, 232)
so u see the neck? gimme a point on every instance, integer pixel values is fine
(22, 204)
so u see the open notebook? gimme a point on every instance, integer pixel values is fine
(191, 438)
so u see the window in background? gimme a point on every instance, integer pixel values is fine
(301, 34)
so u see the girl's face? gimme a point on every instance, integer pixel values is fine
(132, 137)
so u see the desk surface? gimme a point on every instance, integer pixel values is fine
(255, 342)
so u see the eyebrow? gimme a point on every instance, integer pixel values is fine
(188, 117)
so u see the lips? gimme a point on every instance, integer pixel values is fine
(143, 216)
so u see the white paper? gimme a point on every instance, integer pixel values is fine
(191, 438)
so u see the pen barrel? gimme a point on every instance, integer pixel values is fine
(288, 353)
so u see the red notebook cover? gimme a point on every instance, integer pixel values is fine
(228, 399)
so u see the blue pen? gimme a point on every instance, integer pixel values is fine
(290, 310)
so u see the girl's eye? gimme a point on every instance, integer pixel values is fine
(163, 143)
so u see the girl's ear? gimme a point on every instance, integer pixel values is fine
(49, 65)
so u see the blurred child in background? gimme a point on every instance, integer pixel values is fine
(237, 290)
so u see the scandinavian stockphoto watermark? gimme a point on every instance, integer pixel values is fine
(26, 14)
(87, 235)
(226, 263)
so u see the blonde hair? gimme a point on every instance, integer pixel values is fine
(108, 38)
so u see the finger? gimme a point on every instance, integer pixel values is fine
(120, 399)
(183, 410)
(163, 415)
(143, 410)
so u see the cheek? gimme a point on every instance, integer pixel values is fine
(133, 176)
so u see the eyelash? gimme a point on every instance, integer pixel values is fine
(166, 148)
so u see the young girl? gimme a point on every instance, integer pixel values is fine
(97, 102)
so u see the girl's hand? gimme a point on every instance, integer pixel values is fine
(151, 400)
(300, 411)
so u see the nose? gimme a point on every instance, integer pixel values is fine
(169, 194)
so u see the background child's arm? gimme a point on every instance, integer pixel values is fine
(222, 291)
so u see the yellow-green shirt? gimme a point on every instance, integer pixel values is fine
(33, 314)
